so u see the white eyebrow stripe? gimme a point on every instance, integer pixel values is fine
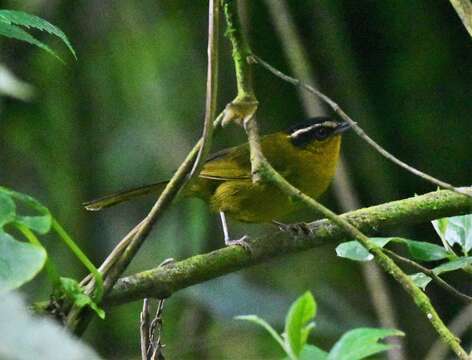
(303, 130)
(299, 132)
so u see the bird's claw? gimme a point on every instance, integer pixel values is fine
(243, 242)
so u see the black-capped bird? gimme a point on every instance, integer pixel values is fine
(305, 155)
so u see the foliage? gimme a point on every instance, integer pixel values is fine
(453, 231)
(10, 26)
(20, 261)
(353, 345)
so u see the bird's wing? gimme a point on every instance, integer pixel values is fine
(228, 164)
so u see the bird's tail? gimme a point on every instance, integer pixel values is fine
(122, 196)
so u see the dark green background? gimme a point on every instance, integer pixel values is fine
(130, 108)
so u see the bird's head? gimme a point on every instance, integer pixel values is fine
(318, 132)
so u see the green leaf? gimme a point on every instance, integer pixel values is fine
(425, 251)
(7, 209)
(297, 326)
(19, 262)
(76, 294)
(31, 21)
(15, 32)
(26, 199)
(40, 224)
(421, 280)
(311, 352)
(440, 225)
(361, 343)
(453, 265)
(353, 250)
(456, 230)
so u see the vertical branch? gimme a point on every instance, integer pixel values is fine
(211, 86)
(343, 189)
(131, 243)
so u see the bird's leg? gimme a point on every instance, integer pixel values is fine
(296, 229)
(242, 241)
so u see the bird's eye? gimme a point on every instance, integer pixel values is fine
(321, 133)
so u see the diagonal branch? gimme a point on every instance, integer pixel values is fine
(163, 281)
(263, 171)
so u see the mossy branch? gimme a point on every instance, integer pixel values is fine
(263, 171)
(163, 281)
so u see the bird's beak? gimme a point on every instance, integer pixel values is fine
(342, 127)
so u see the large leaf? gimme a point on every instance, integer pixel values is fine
(11, 17)
(361, 343)
(19, 262)
(39, 223)
(298, 322)
(425, 251)
(7, 209)
(353, 250)
(456, 230)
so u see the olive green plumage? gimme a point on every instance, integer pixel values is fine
(306, 155)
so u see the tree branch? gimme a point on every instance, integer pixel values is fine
(263, 171)
(163, 281)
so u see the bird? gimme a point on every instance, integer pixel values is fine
(305, 154)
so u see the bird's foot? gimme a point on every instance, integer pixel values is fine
(295, 229)
(241, 242)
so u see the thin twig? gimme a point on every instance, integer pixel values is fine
(144, 329)
(449, 288)
(358, 130)
(133, 241)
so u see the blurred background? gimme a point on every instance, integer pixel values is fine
(128, 111)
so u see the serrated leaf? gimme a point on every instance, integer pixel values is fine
(421, 280)
(353, 250)
(261, 322)
(15, 32)
(7, 209)
(76, 294)
(361, 343)
(19, 262)
(425, 251)
(297, 326)
(32, 21)
(40, 224)
(453, 265)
